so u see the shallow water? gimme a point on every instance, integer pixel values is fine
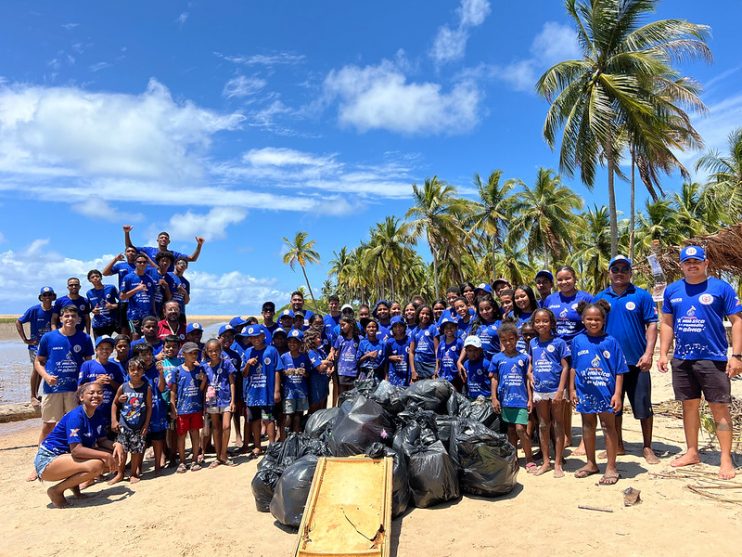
(15, 372)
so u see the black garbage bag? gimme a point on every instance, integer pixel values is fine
(264, 484)
(321, 421)
(391, 397)
(366, 423)
(400, 479)
(444, 427)
(481, 411)
(416, 426)
(430, 394)
(488, 463)
(456, 404)
(433, 477)
(292, 490)
(313, 446)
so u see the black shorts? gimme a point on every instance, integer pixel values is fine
(265, 413)
(100, 331)
(637, 384)
(690, 378)
(156, 435)
(123, 320)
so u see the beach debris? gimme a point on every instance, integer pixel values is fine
(598, 509)
(631, 497)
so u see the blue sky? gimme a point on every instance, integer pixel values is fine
(248, 121)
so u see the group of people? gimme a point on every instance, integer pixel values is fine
(533, 353)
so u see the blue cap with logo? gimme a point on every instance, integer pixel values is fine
(286, 313)
(620, 259)
(297, 334)
(445, 321)
(483, 286)
(224, 328)
(545, 273)
(692, 252)
(253, 331)
(397, 320)
(47, 290)
(194, 327)
(237, 321)
(104, 338)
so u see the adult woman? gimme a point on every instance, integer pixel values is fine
(77, 450)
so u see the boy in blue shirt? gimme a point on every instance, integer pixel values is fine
(106, 373)
(163, 241)
(138, 289)
(122, 265)
(103, 299)
(476, 369)
(163, 279)
(186, 404)
(39, 318)
(296, 367)
(397, 352)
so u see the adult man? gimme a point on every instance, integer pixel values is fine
(163, 279)
(172, 324)
(500, 284)
(632, 321)
(544, 285)
(74, 299)
(39, 318)
(181, 286)
(693, 313)
(297, 304)
(163, 241)
(122, 265)
(138, 289)
(268, 311)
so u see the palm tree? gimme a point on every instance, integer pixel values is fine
(659, 222)
(491, 215)
(544, 217)
(388, 250)
(623, 81)
(302, 252)
(725, 181)
(437, 213)
(594, 247)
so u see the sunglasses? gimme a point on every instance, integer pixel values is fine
(620, 270)
(72, 286)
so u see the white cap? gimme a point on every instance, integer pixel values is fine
(474, 341)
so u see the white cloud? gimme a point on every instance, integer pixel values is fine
(242, 86)
(97, 208)
(232, 293)
(722, 119)
(271, 156)
(69, 26)
(212, 225)
(182, 18)
(379, 97)
(263, 59)
(450, 43)
(99, 66)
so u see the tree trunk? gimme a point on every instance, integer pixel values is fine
(632, 217)
(612, 198)
(435, 273)
(306, 279)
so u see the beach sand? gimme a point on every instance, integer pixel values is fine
(212, 512)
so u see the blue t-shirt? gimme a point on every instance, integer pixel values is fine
(521, 345)
(158, 421)
(260, 383)
(159, 296)
(140, 304)
(319, 382)
(398, 372)
(627, 321)
(596, 361)
(99, 298)
(64, 357)
(153, 251)
(698, 312)
(546, 360)
(295, 376)
(366, 346)
(177, 295)
(121, 269)
(82, 305)
(568, 321)
(448, 356)
(134, 408)
(487, 333)
(330, 324)
(424, 338)
(512, 379)
(75, 427)
(218, 383)
(40, 321)
(156, 347)
(188, 389)
(464, 327)
(90, 371)
(478, 382)
(347, 356)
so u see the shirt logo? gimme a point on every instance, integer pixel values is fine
(77, 348)
(596, 361)
(706, 299)
(550, 348)
(267, 361)
(574, 306)
(691, 311)
(631, 306)
(75, 432)
(563, 313)
(607, 354)
(520, 363)
(427, 333)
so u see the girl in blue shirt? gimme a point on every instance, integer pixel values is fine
(424, 345)
(320, 372)
(596, 383)
(220, 398)
(548, 372)
(371, 353)
(449, 350)
(563, 304)
(296, 366)
(397, 353)
(524, 304)
(345, 355)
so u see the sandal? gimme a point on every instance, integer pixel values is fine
(531, 467)
(253, 455)
(195, 467)
(609, 480)
(181, 468)
(229, 462)
(214, 464)
(582, 473)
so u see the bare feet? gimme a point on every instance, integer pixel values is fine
(79, 494)
(688, 459)
(57, 498)
(558, 472)
(604, 454)
(586, 471)
(32, 477)
(726, 470)
(545, 467)
(116, 479)
(134, 479)
(649, 456)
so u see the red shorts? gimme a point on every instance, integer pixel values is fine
(187, 422)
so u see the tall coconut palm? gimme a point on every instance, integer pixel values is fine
(658, 222)
(544, 217)
(725, 181)
(492, 213)
(301, 251)
(437, 214)
(623, 81)
(388, 250)
(594, 247)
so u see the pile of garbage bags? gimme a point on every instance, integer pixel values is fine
(442, 445)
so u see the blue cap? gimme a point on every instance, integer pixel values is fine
(545, 273)
(104, 338)
(692, 252)
(47, 290)
(483, 286)
(297, 334)
(397, 320)
(253, 331)
(444, 321)
(620, 259)
(286, 313)
(194, 327)
(224, 328)
(278, 331)
(237, 321)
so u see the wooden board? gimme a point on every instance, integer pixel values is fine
(348, 510)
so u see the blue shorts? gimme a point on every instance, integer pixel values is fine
(425, 370)
(43, 459)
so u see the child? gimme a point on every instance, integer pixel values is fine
(549, 371)
(262, 386)
(227, 338)
(280, 340)
(371, 353)
(527, 333)
(109, 375)
(476, 369)
(439, 306)
(149, 336)
(596, 383)
(397, 352)
(395, 310)
(506, 302)
(168, 364)
(465, 320)
(296, 366)
(134, 400)
(423, 345)
(345, 354)
(449, 350)
(286, 320)
(122, 348)
(220, 396)
(511, 391)
(319, 375)
(410, 317)
(186, 404)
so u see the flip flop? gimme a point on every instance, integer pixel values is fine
(214, 464)
(181, 469)
(228, 462)
(531, 467)
(582, 473)
(195, 467)
(609, 480)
